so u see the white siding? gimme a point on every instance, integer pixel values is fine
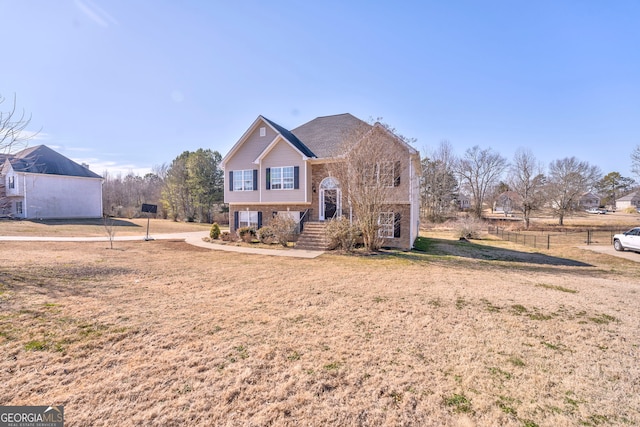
(59, 196)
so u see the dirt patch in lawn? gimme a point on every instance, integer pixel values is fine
(162, 333)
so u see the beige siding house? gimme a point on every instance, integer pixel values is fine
(273, 171)
(631, 199)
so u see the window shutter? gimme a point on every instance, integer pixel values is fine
(235, 221)
(259, 220)
(230, 180)
(396, 224)
(255, 180)
(396, 174)
(268, 178)
(296, 177)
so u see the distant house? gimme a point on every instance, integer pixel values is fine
(631, 199)
(464, 202)
(508, 203)
(588, 201)
(38, 182)
(275, 171)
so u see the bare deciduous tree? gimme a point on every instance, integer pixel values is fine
(13, 125)
(635, 161)
(13, 136)
(479, 170)
(438, 184)
(368, 168)
(527, 180)
(568, 180)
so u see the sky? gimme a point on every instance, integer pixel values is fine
(127, 85)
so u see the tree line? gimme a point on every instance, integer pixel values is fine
(483, 175)
(190, 188)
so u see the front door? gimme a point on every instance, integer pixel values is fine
(330, 203)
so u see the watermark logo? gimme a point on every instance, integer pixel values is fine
(31, 416)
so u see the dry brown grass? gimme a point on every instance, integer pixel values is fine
(162, 333)
(95, 227)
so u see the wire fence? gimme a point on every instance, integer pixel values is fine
(537, 239)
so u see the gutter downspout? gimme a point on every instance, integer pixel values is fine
(411, 207)
(24, 203)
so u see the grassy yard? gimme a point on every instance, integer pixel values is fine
(95, 227)
(162, 333)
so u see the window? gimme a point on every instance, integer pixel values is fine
(12, 182)
(390, 224)
(385, 221)
(243, 180)
(263, 131)
(385, 173)
(247, 219)
(282, 178)
(19, 208)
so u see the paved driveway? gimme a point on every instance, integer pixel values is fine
(632, 256)
(193, 238)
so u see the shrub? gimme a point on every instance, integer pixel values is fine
(284, 228)
(214, 233)
(631, 210)
(247, 234)
(341, 234)
(468, 227)
(266, 235)
(225, 236)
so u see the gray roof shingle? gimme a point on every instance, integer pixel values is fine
(42, 159)
(324, 135)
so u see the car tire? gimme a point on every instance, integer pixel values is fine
(618, 246)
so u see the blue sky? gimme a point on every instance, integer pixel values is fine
(128, 84)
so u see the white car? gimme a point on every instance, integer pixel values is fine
(597, 211)
(627, 240)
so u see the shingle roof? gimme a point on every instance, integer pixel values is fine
(324, 135)
(630, 196)
(291, 138)
(42, 159)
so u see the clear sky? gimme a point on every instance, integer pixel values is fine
(128, 84)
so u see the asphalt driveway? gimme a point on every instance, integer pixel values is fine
(632, 256)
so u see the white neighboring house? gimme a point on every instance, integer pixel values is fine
(41, 183)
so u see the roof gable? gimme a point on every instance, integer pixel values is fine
(42, 159)
(282, 133)
(631, 196)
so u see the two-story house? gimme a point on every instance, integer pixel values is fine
(39, 182)
(275, 171)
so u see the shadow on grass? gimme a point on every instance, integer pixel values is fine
(466, 249)
(84, 221)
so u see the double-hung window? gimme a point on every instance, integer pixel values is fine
(248, 219)
(385, 174)
(19, 208)
(282, 178)
(243, 180)
(12, 181)
(385, 222)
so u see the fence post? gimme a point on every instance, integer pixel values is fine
(548, 241)
(534, 241)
